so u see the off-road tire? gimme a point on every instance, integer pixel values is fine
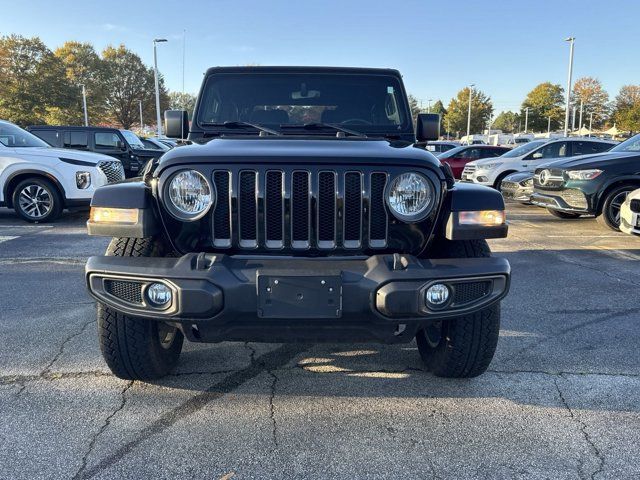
(53, 196)
(131, 346)
(607, 216)
(466, 344)
(563, 215)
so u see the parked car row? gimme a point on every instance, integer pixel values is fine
(570, 177)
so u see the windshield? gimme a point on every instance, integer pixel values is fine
(365, 103)
(132, 139)
(13, 136)
(630, 145)
(453, 152)
(523, 149)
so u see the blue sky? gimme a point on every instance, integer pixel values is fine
(504, 47)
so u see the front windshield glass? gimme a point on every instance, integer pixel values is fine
(132, 139)
(453, 152)
(523, 149)
(13, 136)
(630, 145)
(365, 103)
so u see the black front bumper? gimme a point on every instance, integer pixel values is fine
(251, 298)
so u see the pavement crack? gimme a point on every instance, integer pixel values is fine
(272, 411)
(269, 361)
(585, 434)
(47, 369)
(107, 421)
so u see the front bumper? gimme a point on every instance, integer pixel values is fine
(556, 202)
(629, 220)
(220, 297)
(513, 191)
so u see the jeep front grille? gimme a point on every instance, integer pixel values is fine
(113, 170)
(299, 209)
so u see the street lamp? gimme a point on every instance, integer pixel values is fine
(155, 71)
(469, 112)
(141, 121)
(526, 119)
(429, 111)
(571, 40)
(590, 122)
(84, 106)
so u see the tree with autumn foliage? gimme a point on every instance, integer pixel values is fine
(626, 112)
(455, 119)
(594, 98)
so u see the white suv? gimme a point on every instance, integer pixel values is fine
(527, 157)
(39, 181)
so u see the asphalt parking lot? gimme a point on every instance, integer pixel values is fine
(561, 399)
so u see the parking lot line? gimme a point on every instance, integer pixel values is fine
(7, 238)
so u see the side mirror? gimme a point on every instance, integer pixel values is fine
(428, 127)
(176, 123)
(537, 155)
(120, 145)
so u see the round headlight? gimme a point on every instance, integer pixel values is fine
(190, 195)
(410, 197)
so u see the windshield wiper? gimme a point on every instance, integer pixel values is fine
(320, 125)
(235, 124)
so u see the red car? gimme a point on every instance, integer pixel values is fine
(458, 157)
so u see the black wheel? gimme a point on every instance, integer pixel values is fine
(464, 346)
(564, 215)
(136, 348)
(498, 183)
(610, 216)
(37, 200)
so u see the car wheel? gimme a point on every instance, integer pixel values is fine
(460, 347)
(136, 348)
(564, 215)
(37, 200)
(498, 183)
(610, 215)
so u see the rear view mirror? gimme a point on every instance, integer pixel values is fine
(176, 123)
(428, 127)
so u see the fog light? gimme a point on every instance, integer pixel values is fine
(437, 295)
(159, 295)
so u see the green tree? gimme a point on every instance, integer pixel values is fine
(455, 119)
(414, 106)
(83, 66)
(594, 98)
(182, 101)
(438, 107)
(626, 112)
(544, 101)
(507, 122)
(33, 81)
(127, 82)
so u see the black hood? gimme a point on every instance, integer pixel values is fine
(296, 150)
(597, 160)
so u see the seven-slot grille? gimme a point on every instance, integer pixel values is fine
(113, 170)
(300, 209)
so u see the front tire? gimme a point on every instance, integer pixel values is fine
(610, 216)
(563, 215)
(461, 347)
(136, 348)
(37, 200)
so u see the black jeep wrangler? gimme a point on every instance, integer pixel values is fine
(302, 211)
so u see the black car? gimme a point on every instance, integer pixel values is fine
(122, 144)
(590, 184)
(302, 212)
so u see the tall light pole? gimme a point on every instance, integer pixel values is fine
(526, 119)
(429, 107)
(84, 106)
(469, 112)
(155, 71)
(590, 122)
(571, 40)
(573, 121)
(580, 122)
(141, 120)
(549, 127)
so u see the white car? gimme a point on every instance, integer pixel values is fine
(527, 157)
(630, 214)
(39, 181)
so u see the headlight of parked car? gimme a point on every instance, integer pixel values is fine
(83, 180)
(489, 166)
(583, 174)
(189, 195)
(410, 197)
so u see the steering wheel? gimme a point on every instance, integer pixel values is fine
(355, 121)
